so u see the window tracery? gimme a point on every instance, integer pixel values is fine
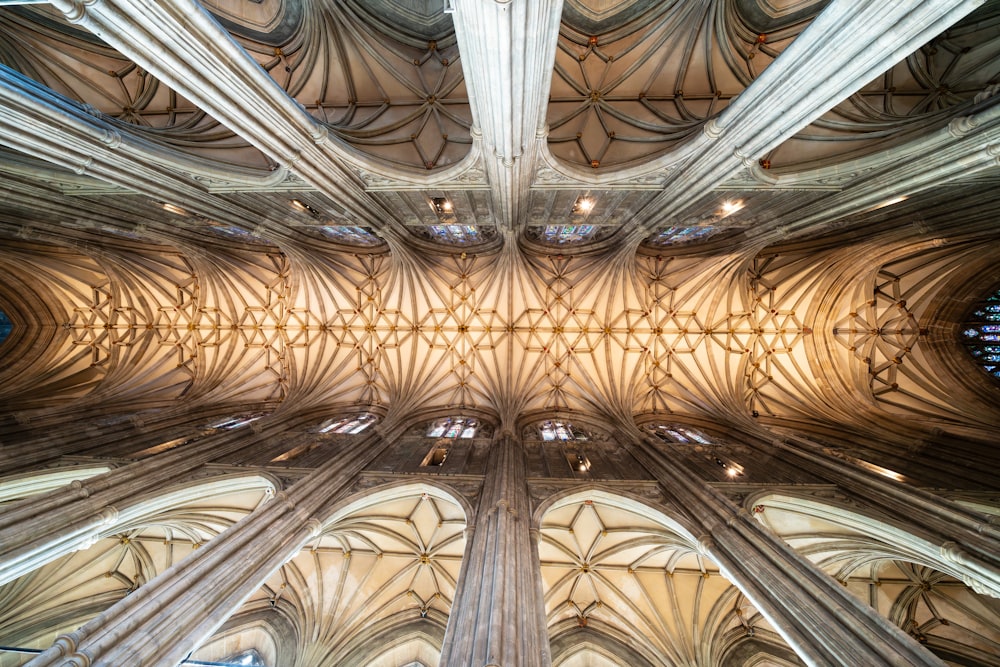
(677, 235)
(454, 428)
(236, 421)
(351, 235)
(349, 425)
(981, 334)
(554, 429)
(683, 434)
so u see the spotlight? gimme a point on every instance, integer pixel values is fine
(177, 210)
(441, 205)
(583, 206)
(730, 207)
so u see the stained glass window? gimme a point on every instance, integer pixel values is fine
(677, 235)
(981, 334)
(458, 234)
(683, 434)
(6, 326)
(552, 429)
(237, 421)
(558, 234)
(350, 235)
(230, 231)
(454, 427)
(349, 425)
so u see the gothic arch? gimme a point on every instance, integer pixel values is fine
(62, 589)
(614, 565)
(874, 536)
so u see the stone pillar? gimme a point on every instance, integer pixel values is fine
(172, 615)
(819, 619)
(44, 527)
(498, 617)
(966, 542)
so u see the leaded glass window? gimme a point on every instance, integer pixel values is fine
(454, 427)
(676, 235)
(236, 421)
(458, 234)
(350, 235)
(682, 434)
(981, 334)
(6, 326)
(558, 234)
(554, 429)
(349, 425)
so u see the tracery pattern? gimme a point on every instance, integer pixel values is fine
(61, 596)
(614, 569)
(938, 610)
(394, 560)
(919, 91)
(638, 89)
(38, 42)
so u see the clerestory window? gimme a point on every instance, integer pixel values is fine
(981, 334)
(454, 427)
(349, 425)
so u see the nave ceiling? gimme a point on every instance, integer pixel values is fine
(772, 292)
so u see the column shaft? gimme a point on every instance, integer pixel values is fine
(498, 617)
(172, 615)
(967, 540)
(820, 620)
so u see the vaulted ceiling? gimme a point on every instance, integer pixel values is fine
(722, 208)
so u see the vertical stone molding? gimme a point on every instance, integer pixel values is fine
(819, 619)
(498, 616)
(942, 530)
(165, 620)
(508, 52)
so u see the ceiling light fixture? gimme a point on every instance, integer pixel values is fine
(730, 207)
(177, 210)
(441, 205)
(583, 205)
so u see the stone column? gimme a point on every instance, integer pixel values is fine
(819, 619)
(172, 615)
(44, 527)
(968, 542)
(498, 617)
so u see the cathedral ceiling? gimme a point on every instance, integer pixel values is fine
(309, 201)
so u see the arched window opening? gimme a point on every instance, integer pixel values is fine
(554, 429)
(981, 334)
(684, 434)
(236, 421)
(349, 425)
(678, 235)
(454, 427)
(6, 326)
(249, 658)
(350, 235)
